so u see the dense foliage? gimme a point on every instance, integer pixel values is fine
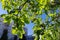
(24, 11)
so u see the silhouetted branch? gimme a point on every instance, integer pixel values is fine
(4, 35)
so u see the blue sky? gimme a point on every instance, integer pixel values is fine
(28, 26)
(1, 10)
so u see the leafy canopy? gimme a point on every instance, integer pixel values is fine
(24, 11)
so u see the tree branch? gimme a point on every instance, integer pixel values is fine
(20, 7)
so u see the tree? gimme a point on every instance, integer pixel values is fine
(24, 11)
(4, 35)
